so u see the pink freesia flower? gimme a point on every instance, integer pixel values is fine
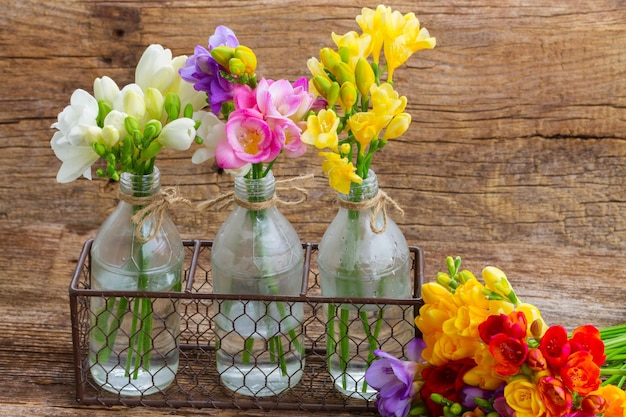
(288, 134)
(248, 140)
(276, 99)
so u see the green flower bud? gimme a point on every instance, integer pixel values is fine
(344, 53)
(321, 84)
(236, 67)
(333, 93)
(222, 54)
(348, 95)
(364, 75)
(172, 105)
(100, 149)
(104, 108)
(329, 58)
(344, 73)
(188, 112)
(131, 125)
(152, 130)
(247, 57)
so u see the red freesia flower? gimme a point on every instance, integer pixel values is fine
(555, 347)
(557, 398)
(535, 360)
(587, 338)
(446, 380)
(492, 326)
(509, 352)
(516, 325)
(594, 404)
(580, 373)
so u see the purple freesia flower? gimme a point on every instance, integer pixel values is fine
(393, 379)
(204, 72)
(502, 408)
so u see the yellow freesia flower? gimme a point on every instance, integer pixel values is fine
(365, 126)
(523, 397)
(340, 171)
(453, 347)
(386, 101)
(321, 130)
(358, 46)
(372, 23)
(616, 397)
(398, 49)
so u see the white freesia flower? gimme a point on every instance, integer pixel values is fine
(178, 134)
(155, 68)
(212, 131)
(77, 131)
(115, 120)
(105, 89)
(130, 101)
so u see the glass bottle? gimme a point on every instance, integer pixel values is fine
(260, 344)
(133, 341)
(359, 259)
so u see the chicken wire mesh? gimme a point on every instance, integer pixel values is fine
(197, 380)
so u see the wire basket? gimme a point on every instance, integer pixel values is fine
(197, 383)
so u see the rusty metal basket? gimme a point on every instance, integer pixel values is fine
(197, 383)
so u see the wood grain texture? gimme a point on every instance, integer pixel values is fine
(516, 156)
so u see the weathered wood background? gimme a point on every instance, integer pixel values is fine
(516, 156)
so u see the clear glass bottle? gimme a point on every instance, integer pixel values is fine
(356, 261)
(260, 344)
(133, 341)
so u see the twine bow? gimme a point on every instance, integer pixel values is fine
(379, 205)
(154, 208)
(224, 200)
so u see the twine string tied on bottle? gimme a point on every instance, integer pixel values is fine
(154, 207)
(378, 204)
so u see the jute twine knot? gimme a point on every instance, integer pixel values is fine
(378, 203)
(225, 200)
(154, 208)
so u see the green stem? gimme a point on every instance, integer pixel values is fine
(344, 344)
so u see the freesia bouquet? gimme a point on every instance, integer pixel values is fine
(127, 128)
(483, 352)
(363, 110)
(251, 122)
(363, 253)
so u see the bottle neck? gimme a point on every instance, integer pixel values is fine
(255, 189)
(140, 185)
(367, 190)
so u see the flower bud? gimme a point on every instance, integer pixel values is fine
(172, 106)
(131, 124)
(222, 54)
(134, 104)
(332, 95)
(152, 130)
(329, 58)
(236, 67)
(247, 57)
(536, 361)
(344, 73)
(105, 89)
(344, 53)
(154, 103)
(364, 76)
(321, 84)
(151, 151)
(538, 327)
(398, 126)
(345, 148)
(594, 404)
(348, 95)
(178, 134)
(110, 135)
